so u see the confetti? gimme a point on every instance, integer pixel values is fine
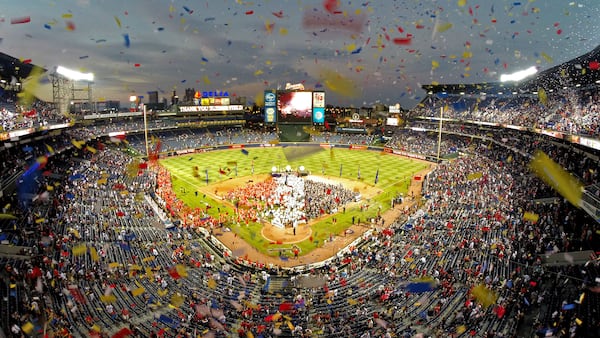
(558, 178)
(331, 6)
(402, 41)
(21, 20)
(138, 291)
(70, 26)
(118, 21)
(79, 250)
(108, 298)
(531, 216)
(27, 327)
(444, 27)
(339, 84)
(30, 87)
(484, 296)
(126, 41)
(250, 12)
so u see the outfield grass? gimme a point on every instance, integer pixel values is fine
(394, 178)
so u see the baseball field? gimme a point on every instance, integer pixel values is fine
(201, 180)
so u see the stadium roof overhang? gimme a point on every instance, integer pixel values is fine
(581, 72)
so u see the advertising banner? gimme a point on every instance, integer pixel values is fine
(270, 106)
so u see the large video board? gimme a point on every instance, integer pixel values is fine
(294, 106)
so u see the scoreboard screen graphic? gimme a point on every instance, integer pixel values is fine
(294, 106)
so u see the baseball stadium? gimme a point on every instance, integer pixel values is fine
(474, 214)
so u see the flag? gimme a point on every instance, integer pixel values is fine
(340, 170)
(221, 171)
(377, 176)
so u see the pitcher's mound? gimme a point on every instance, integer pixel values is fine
(286, 236)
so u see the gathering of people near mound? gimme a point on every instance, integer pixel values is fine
(288, 200)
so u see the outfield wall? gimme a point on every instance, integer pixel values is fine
(427, 158)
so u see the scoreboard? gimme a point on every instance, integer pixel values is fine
(301, 107)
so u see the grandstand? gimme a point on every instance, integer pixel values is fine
(487, 250)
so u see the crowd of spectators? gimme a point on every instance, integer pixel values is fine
(101, 263)
(414, 142)
(14, 116)
(565, 111)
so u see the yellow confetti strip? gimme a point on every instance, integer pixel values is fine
(108, 298)
(176, 300)
(79, 250)
(30, 85)
(484, 296)
(339, 84)
(444, 27)
(212, 284)
(546, 57)
(27, 328)
(530, 216)
(558, 178)
(137, 292)
(181, 270)
(94, 254)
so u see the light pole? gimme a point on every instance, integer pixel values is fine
(146, 132)
(440, 134)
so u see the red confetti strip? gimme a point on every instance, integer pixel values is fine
(559, 31)
(402, 41)
(594, 65)
(250, 12)
(330, 5)
(137, 65)
(16, 21)
(27, 61)
(278, 14)
(418, 26)
(70, 26)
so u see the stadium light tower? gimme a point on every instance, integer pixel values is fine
(518, 76)
(64, 91)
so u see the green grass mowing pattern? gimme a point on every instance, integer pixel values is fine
(394, 177)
